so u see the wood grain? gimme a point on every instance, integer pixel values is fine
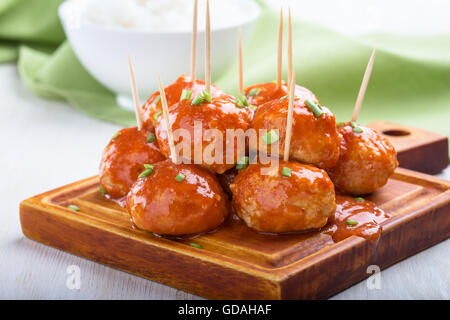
(417, 149)
(236, 262)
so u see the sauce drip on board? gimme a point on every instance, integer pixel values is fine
(355, 216)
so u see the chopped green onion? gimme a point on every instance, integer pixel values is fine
(206, 96)
(286, 171)
(146, 172)
(116, 135)
(284, 98)
(251, 106)
(242, 163)
(102, 190)
(241, 101)
(148, 166)
(195, 245)
(351, 222)
(244, 100)
(359, 199)
(156, 115)
(341, 124)
(254, 92)
(185, 95)
(151, 137)
(197, 100)
(157, 100)
(180, 177)
(73, 207)
(270, 137)
(314, 107)
(356, 128)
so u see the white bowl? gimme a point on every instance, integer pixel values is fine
(103, 51)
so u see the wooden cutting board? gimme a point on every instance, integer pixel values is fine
(236, 262)
(417, 149)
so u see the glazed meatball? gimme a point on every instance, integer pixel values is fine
(366, 161)
(289, 197)
(212, 121)
(152, 109)
(315, 139)
(259, 94)
(123, 160)
(177, 200)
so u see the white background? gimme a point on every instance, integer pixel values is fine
(46, 144)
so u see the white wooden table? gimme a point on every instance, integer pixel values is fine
(45, 144)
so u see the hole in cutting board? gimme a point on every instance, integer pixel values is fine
(396, 132)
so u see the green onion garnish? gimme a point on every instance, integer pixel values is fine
(314, 107)
(351, 222)
(156, 115)
(148, 166)
(102, 190)
(157, 100)
(195, 245)
(147, 171)
(286, 171)
(116, 135)
(73, 207)
(180, 177)
(185, 95)
(241, 101)
(206, 96)
(270, 137)
(341, 124)
(242, 163)
(251, 106)
(197, 100)
(151, 137)
(359, 199)
(356, 128)
(284, 98)
(254, 92)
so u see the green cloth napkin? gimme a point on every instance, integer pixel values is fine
(410, 81)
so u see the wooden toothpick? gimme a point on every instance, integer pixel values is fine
(240, 67)
(287, 143)
(135, 94)
(280, 50)
(162, 93)
(208, 49)
(362, 90)
(289, 47)
(194, 42)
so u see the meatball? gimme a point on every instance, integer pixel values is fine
(315, 139)
(259, 94)
(210, 122)
(123, 160)
(366, 161)
(177, 200)
(152, 109)
(290, 197)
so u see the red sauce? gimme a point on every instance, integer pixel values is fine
(353, 218)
